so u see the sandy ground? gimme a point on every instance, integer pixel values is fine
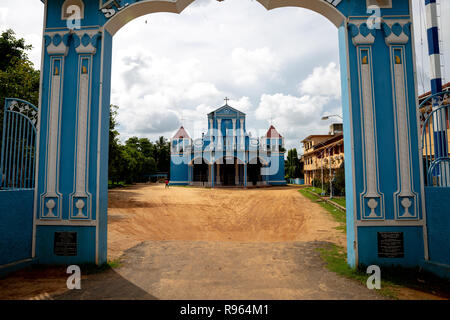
(195, 243)
(245, 215)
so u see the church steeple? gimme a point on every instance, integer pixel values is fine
(273, 133)
(181, 134)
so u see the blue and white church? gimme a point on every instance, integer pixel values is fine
(227, 155)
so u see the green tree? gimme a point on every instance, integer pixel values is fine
(115, 164)
(162, 153)
(18, 78)
(292, 164)
(138, 158)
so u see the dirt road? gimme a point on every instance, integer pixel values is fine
(143, 213)
(194, 243)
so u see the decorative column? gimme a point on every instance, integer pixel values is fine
(234, 134)
(212, 175)
(80, 199)
(245, 174)
(218, 174)
(242, 134)
(397, 33)
(209, 175)
(211, 134)
(219, 134)
(236, 173)
(51, 199)
(371, 199)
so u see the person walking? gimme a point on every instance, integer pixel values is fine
(167, 183)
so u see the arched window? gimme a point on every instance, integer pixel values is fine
(71, 8)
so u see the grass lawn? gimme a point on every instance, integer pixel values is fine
(335, 258)
(316, 190)
(339, 201)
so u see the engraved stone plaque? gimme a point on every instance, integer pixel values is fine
(390, 245)
(65, 244)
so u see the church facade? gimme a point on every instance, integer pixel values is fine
(227, 155)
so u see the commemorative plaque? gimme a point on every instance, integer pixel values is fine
(65, 244)
(390, 245)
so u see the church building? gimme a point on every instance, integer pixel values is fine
(227, 155)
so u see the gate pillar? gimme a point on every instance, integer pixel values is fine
(71, 191)
(384, 184)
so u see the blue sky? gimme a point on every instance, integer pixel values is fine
(172, 69)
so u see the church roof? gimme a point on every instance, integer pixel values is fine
(226, 109)
(273, 133)
(181, 134)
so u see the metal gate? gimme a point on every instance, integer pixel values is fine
(17, 171)
(435, 140)
(17, 163)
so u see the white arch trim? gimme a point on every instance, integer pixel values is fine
(141, 8)
(196, 158)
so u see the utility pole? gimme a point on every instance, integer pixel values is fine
(439, 117)
(331, 183)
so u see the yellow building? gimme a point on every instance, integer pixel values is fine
(322, 153)
(427, 134)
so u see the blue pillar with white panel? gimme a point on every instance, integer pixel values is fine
(385, 207)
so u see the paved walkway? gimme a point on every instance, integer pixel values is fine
(221, 270)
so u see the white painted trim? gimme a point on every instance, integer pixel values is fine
(38, 138)
(419, 138)
(405, 176)
(100, 98)
(82, 139)
(64, 29)
(137, 9)
(350, 104)
(57, 143)
(61, 48)
(324, 8)
(15, 263)
(90, 223)
(369, 138)
(89, 49)
(389, 222)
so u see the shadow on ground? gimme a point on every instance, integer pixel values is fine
(108, 285)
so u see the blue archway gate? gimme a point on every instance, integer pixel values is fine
(384, 178)
(17, 181)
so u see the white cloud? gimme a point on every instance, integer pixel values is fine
(201, 90)
(26, 21)
(297, 117)
(251, 66)
(294, 117)
(323, 81)
(3, 14)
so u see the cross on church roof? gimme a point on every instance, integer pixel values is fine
(226, 100)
